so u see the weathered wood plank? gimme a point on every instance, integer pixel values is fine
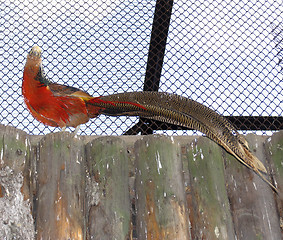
(16, 220)
(274, 153)
(61, 188)
(160, 194)
(74, 186)
(15, 154)
(252, 201)
(209, 209)
(108, 189)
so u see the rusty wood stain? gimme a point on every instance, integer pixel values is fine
(66, 226)
(61, 193)
(160, 198)
(153, 228)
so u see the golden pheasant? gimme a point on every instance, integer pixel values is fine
(63, 106)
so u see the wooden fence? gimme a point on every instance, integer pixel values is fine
(135, 187)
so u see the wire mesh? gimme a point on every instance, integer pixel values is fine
(224, 54)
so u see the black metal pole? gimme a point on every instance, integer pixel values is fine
(160, 27)
(159, 33)
(256, 123)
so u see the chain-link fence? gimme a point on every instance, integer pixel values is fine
(224, 54)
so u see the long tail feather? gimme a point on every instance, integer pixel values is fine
(175, 109)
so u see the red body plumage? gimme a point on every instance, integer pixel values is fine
(50, 103)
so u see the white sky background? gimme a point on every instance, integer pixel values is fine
(219, 53)
(223, 55)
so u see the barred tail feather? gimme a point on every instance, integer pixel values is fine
(175, 109)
